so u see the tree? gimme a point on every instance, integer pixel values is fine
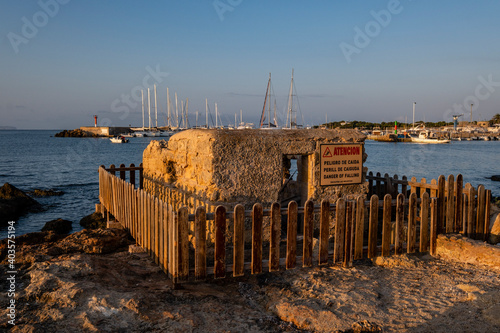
(496, 118)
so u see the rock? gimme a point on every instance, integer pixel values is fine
(76, 133)
(495, 178)
(14, 203)
(46, 193)
(95, 241)
(495, 231)
(463, 249)
(58, 226)
(93, 221)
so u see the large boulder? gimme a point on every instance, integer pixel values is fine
(495, 230)
(58, 226)
(14, 203)
(93, 221)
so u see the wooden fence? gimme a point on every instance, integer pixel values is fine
(345, 231)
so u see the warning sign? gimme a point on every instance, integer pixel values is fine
(341, 164)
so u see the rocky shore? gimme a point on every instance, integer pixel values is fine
(88, 281)
(76, 133)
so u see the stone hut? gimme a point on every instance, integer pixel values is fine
(228, 167)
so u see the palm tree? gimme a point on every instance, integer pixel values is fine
(496, 118)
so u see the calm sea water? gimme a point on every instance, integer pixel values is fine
(35, 159)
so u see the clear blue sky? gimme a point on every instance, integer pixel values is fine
(82, 59)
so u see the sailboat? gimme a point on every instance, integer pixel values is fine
(291, 116)
(270, 125)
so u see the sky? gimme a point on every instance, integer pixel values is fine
(64, 61)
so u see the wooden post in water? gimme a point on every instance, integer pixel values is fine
(274, 242)
(373, 227)
(220, 243)
(257, 218)
(386, 226)
(360, 226)
(324, 232)
(291, 237)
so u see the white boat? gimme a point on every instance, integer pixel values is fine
(428, 137)
(119, 139)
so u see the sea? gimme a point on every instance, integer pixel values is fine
(35, 159)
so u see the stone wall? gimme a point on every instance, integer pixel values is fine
(246, 166)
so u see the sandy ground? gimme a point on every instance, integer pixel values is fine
(122, 292)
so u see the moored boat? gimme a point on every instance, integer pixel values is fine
(119, 139)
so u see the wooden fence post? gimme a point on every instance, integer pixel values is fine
(307, 246)
(181, 228)
(434, 224)
(239, 241)
(141, 177)
(132, 174)
(386, 226)
(350, 207)
(398, 232)
(481, 199)
(450, 206)
(257, 213)
(274, 242)
(338, 252)
(200, 243)
(412, 223)
(324, 232)
(122, 171)
(424, 222)
(471, 218)
(370, 183)
(112, 170)
(459, 203)
(373, 227)
(360, 226)
(291, 237)
(378, 191)
(465, 214)
(404, 187)
(220, 243)
(441, 207)
(487, 215)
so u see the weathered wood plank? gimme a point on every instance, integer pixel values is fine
(274, 243)
(257, 218)
(487, 215)
(291, 237)
(347, 262)
(373, 227)
(471, 221)
(338, 250)
(481, 199)
(220, 243)
(465, 214)
(434, 223)
(386, 226)
(404, 187)
(459, 184)
(441, 204)
(398, 232)
(412, 224)
(450, 204)
(239, 241)
(307, 247)
(324, 232)
(183, 245)
(360, 228)
(200, 243)
(424, 223)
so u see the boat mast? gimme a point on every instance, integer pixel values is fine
(414, 103)
(156, 110)
(142, 98)
(262, 117)
(149, 109)
(216, 119)
(176, 111)
(206, 112)
(182, 114)
(290, 104)
(275, 118)
(187, 119)
(168, 109)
